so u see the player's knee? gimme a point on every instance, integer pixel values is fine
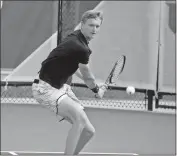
(90, 130)
(81, 120)
(87, 126)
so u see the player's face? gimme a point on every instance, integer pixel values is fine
(91, 27)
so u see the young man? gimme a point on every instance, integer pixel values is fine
(53, 90)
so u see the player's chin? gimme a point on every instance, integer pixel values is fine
(92, 36)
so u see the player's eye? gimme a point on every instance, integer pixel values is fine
(97, 26)
(91, 25)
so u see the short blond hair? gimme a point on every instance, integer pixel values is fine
(92, 14)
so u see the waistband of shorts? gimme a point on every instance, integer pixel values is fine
(37, 81)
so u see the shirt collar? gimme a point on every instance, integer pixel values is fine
(81, 36)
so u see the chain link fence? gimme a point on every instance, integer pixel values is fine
(166, 101)
(114, 98)
(21, 92)
(68, 17)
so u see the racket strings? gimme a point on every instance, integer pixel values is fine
(118, 70)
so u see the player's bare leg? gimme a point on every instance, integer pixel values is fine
(85, 137)
(82, 130)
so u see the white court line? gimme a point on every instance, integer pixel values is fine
(1, 4)
(12, 153)
(86, 153)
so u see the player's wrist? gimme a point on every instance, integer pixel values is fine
(95, 89)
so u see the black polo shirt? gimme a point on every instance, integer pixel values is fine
(63, 61)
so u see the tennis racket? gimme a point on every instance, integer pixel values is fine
(114, 74)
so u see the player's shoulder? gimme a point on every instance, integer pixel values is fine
(76, 41)
(73, 34)
(72, 38)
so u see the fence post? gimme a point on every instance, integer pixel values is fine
(60, 24)
(150, 100)
(157, 101)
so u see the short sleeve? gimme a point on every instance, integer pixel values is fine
(82, 52)
(83, 57)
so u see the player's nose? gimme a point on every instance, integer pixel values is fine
(94, 30)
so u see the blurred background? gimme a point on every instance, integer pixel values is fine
(144, 31)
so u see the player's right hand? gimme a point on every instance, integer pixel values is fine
(102, 90)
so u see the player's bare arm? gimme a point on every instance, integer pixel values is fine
(79, 75)
(87, 75)
(89, 79)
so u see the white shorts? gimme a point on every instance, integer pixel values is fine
(50, 97)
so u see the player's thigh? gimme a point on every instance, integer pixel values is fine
(69, 108)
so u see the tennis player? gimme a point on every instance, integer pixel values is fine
(53, 89)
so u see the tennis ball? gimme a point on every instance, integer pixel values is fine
(130, 90)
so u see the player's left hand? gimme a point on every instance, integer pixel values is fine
(102, 89)
(101, 84)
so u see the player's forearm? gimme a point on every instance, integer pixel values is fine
(88, 77)
(79, 75)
